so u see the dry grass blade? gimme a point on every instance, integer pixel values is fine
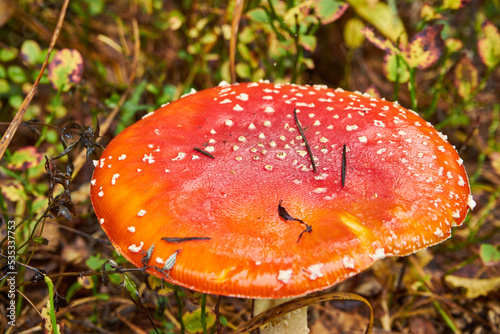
(298, 303)
(238, 9)
(11, 130)
(81, 158)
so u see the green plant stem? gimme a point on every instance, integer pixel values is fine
(446, 318)
(438, 86)
(179, 306)
(396, 86)
(413, 89)
(203, 315)
(298, 52)
(50, 118)
(51, 309)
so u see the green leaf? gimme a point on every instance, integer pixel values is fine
(425, 47)
(258, 15)
(66, 69)
(489, 254)
(382, 17)
(14, 192)
(4, 87)
(192, 320)
(454, 4)
(95, 262)
(30, 52)
(16, 74)
(392, 68)
(353, 37)
(453, 45)
(243, 70)
(308, 42)
(330, 10)
(15, 101)
(466, 77)
(8, 54)
(489, 45)
(428, 13)
(24, 158)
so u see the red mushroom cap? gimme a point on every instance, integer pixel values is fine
(387, 183)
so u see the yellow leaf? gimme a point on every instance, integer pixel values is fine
(352, 33)
(489, 45)
(380, 15)
(475, 287)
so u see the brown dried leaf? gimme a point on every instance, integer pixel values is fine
(474, 287)
(6, 10)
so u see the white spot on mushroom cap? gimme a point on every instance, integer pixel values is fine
(93, 181)
(101, 193)
(379, 123)
(229, 122)
(471, 202)
(135, 249)
(159, 260)
(438, 232)
(320, 190)
(101, 221)
(269, 110)
(315, 271)
(461, 181)
(351, 127)
(122, 157)
(267, 123)
(281, 155)
(113, 179)
(224, 83)
(225, 101)
(363, 139)
(148, 114)
(237, 108)
(141, 213)
(379, 254)
(149, 158)
(348, 262)
(210, 149)
(285, 275)
(251, 126)
(242, 96)
(180, 156)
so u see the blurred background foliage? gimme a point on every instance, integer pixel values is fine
(440, 58)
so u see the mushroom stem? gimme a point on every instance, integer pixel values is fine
(294, 322)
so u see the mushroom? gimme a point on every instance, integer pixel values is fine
(271, 191)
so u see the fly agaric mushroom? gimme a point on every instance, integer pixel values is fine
(220, 193)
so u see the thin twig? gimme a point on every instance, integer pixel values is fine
(238, 9)
(305, 140)
(11, 130)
